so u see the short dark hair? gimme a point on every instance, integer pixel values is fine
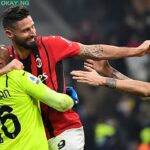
(13, 14)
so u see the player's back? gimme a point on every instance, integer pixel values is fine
(21, 126)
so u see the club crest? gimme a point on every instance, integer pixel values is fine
(38, 62)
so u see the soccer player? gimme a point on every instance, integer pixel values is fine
(21, 125)
(120, 82)
(43, 56)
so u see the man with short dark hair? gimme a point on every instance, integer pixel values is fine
(20, 116)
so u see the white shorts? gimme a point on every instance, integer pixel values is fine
(72, 139)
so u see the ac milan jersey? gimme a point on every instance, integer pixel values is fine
(46, 63)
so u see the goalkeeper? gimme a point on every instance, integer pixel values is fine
(21, 125)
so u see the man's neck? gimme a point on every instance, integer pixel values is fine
(21, 52)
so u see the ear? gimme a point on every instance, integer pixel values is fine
(9, 33)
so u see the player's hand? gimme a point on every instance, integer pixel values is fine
(90, 77)
(103, 67)
(72, 93)
(15, 64)
(144, 48)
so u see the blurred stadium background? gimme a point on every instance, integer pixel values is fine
(112, 120)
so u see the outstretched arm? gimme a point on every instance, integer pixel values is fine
(131, 86)
(104, 68)
(101, 51)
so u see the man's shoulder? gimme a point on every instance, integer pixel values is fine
(47, 38)
(15, 78)
(16, 73)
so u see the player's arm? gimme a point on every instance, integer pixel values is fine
(14, 64)
(136, 87)
(35, 88)
(102, 51)
(131, 86)
(104, 68)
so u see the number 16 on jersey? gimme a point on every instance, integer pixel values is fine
(6, 115)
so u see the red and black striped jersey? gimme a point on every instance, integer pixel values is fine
(46, 63)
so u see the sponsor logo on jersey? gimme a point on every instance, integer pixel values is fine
(34, 79)
(43, 76)
(4, 94)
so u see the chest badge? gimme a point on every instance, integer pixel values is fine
(38, 62)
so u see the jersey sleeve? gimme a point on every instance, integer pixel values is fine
(63, 48)
(36, 89)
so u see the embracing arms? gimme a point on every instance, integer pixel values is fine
(35, 88)
(14, 64)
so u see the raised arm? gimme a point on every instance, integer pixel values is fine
(104, 68)
(101, 51)
(131, 86)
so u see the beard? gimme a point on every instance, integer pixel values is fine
(29, 46)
